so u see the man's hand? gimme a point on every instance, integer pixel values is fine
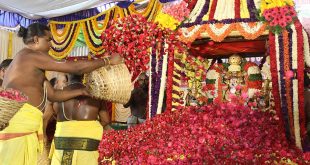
(84, 92)
(116, 59)
(2, 127)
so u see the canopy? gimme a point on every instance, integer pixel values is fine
(36, 9)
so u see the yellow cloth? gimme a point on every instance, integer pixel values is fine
(80, 129)
(17, 149)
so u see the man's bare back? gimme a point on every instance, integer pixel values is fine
(82, 108)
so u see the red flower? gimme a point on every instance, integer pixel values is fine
(132, 37)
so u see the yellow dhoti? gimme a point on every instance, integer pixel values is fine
(76, 143)
(23, 138)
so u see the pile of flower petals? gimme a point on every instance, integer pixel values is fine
(214, 134)
(12, 94)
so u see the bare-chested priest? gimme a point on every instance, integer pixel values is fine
(21, 140)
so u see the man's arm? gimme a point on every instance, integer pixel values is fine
(63, 95)
(131, 99)
(104, 114)
(46, 62)
(47, 115)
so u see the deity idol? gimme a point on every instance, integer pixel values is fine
(236, 77)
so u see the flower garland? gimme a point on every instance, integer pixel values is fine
(253, 78)
(61, 50)
(58, 35)
(198, 9)
(279, 14)
(288, 89)
(306, 48)
(158, 79)
(218, 31)
(295, 88)
(178, 95)
(169, 79)
(166, 21)
(163, 83)
(227, 12)
(92, 37)
(131, 37)
(64, 41)
(191, 4)
(178, 11)
(300, 77)
(153, 92)
(151, 84)
(266, 69)
(267, 4)
(288, 79)
(212, 84)
(195, 72)
(251, 30)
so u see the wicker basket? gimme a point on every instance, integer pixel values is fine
(111, 83)
(8, 108)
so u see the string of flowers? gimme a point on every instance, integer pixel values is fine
(288, 77)
(178, 96)
(169, 78)
(178, 11)
(152, 96)
(191, 4)
(62, 49)
(162, 78)
(294, 52)
(157, 77)
(300, 77)
(274, 77)
(279, 14)
(288, 88)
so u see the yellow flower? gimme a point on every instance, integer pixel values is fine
(166, 21)
(268, 4)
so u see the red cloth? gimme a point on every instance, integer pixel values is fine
(228, 48)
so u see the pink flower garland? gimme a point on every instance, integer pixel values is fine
(169, 79)
(279, 17)
(178, 11)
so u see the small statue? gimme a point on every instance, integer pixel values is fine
(234, 76)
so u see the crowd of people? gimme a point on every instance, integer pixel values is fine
(64, 100)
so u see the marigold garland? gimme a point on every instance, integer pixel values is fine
(91, 41)
(248, 35)
(288, 84)
(63, 34)
(60, 53)
(63, 49)
(190, 34)
(211, 30)
(59, 44)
